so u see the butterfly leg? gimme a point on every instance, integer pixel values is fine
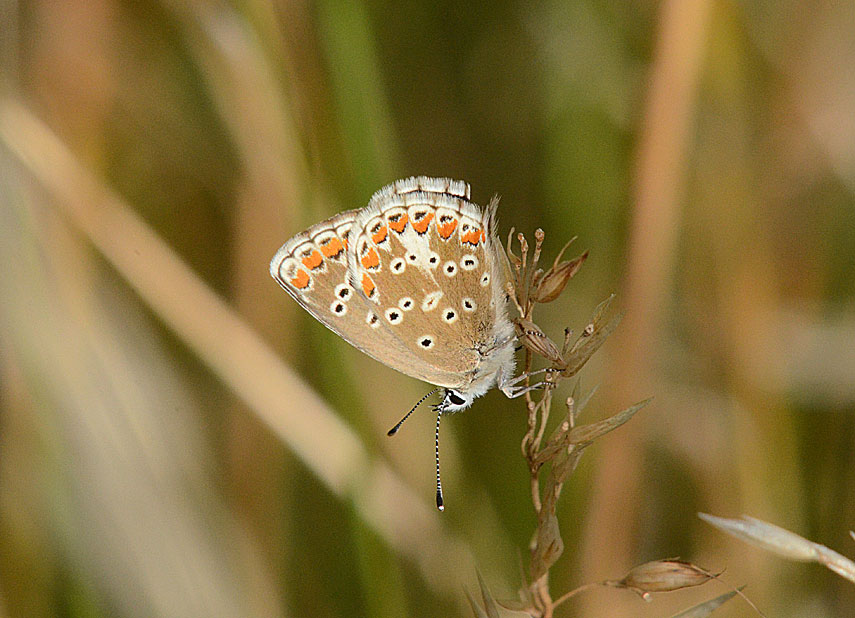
(512, 388)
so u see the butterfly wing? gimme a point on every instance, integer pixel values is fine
(312, 268)
(427, 262)
(414, 280)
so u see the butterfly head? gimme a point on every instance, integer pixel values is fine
(454, 400)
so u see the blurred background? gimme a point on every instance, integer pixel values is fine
(178, 438)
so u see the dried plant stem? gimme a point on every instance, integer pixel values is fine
(551, 460)
(574, 592)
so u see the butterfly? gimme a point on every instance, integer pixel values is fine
(416, 280)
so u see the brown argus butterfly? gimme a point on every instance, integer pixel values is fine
(416, 280)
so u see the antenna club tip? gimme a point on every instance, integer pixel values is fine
(439, 503)
(392, 431)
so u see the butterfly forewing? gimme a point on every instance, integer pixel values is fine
(312, 268)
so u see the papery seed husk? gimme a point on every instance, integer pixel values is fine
(664, 576)
(555, 279)
(532, 337)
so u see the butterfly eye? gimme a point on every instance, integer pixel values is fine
(455, 398)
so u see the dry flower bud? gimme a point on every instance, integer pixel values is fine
(664, 576)
(536, 340)
(555, 279)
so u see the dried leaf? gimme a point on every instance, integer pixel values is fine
(702, 610)
(841, 565)
(476, 609)
(581, 404)
(489, 602)
(549, 545)
(783, 543)
(592, 431)
(768, 536)
(515, 605)
(590, 340)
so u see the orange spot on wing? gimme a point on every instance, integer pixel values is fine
(371, 259)
(421, 225)
(447, 229)
(400, 224)
(380, 235)
(483, 236)
(368, 285)
(472, 236)
(301, 280)
(332, 248)
(313, 260)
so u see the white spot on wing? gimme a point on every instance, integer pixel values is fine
(468, 262)
(394, 315)
(398, 265)
(431, 301)
(338, 308)
(343, 291)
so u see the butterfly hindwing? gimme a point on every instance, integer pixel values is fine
(425, 258)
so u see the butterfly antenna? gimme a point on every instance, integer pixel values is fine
(395, 429)
(439, 502)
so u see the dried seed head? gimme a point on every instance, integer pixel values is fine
(665, 576)
(536, 340)
(553, 281)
